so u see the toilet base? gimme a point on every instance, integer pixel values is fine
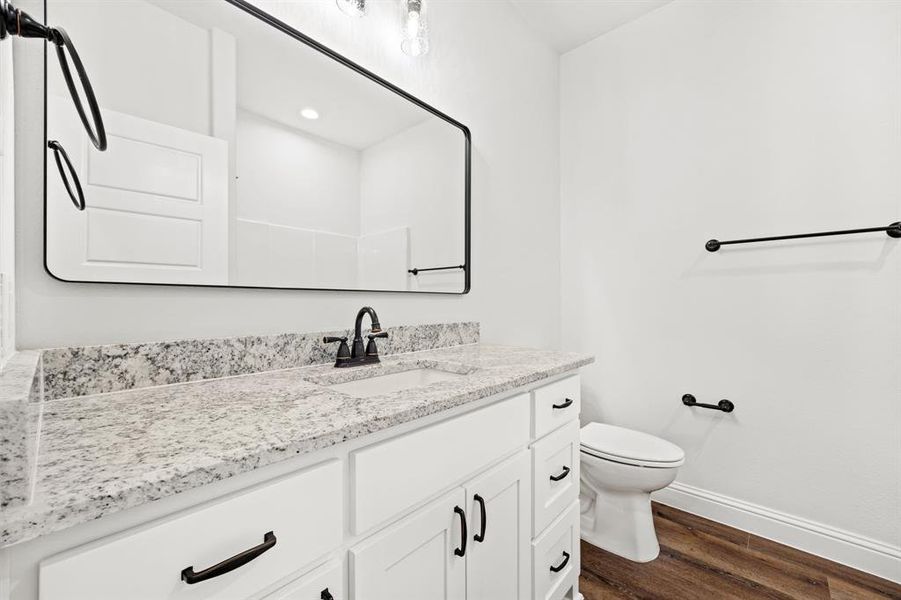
(621, 523)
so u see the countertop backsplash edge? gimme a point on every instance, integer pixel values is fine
(86, 370)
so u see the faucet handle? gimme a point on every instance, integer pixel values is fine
(343, 350)
(371, 349)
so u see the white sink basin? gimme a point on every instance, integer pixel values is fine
(394, 382)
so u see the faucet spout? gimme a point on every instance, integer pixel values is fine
(357, 349)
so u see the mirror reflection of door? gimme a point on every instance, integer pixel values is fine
(240, 156)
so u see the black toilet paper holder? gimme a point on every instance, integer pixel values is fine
(724, 405)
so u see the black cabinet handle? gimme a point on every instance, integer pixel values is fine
(461, 551)
(562, 565)
(229, 564)
(566, 404)
(326, 595)
(561, 475)
(480, 537)
(59, 153)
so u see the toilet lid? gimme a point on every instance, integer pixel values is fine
(629, 446)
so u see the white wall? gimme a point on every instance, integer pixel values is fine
(394, 174)
(288, 177)
(731, 120)
(485, 69)
(160, 48)
(7, 207)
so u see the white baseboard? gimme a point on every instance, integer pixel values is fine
(865, 554)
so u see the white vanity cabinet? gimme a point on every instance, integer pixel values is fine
(296, 525)
(479, 502)
(471, 543)
(498, 566)
(415, 558)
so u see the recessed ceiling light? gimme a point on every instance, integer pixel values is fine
(309, 113)
(354, 8)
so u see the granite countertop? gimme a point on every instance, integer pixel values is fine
(102, 453)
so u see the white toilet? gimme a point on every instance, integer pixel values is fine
(620, 469)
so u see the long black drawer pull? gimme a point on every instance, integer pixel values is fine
(326, 595)
(567, 404)
(480, 537)
(561, 475)
(562, 565)
(77, 195)
(461, 551)
(229, 564)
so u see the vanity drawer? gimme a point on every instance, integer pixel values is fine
(396, 474)
(303, 511)
(328, 582)
(558, 546)
(555, 404)
(555, 456)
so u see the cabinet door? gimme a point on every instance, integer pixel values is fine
(499, 559)
(416, 558)
(324, 583)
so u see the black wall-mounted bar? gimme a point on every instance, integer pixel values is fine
(893, 230)
(416, 271)
(723, 405)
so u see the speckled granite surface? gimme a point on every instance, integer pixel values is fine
(19, 388)
(85, 370)
(95, 459)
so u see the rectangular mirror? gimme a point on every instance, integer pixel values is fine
(241, 153)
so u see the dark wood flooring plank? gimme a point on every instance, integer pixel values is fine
(828, 568)
(701, 559)
(597, 589)
(845, 590)
(671, 577)
(694, 522)
(719, 555)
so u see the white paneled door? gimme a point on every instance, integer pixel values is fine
(498, 564)
(415, 558)
(156, 203)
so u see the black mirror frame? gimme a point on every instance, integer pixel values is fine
(304, 39)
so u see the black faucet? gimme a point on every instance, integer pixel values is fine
(357, 355)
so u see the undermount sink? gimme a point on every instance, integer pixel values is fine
(394, 382)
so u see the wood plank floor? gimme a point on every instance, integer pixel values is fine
(701, 559)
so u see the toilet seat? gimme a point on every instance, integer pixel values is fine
(630, 447)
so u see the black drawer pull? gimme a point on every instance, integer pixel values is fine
(480, 537)
(77, 195)
(229, 564)
(561, 475)
(461, 551)
(326, 595)
(567, 404)
(562, 565)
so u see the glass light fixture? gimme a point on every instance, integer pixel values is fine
(415, 28)
(354, 8)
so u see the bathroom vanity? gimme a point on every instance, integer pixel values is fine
(445, 473)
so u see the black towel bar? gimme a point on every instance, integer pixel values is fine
(416, 271)
(893, 230)
(723, 405)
